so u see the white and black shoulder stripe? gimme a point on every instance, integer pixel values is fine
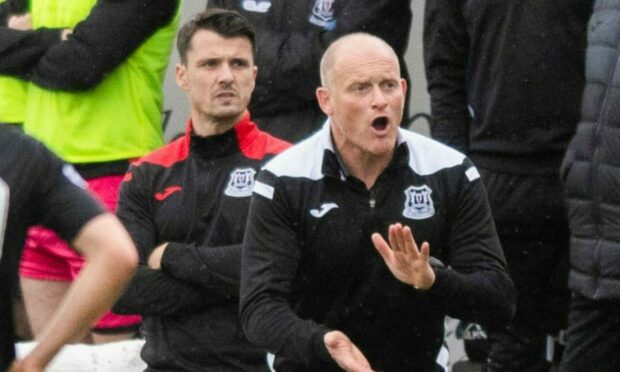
(304, 160)
(427, 156)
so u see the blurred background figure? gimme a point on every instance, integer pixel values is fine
(36, 187)
(591, 170)
(291, 37)
(505, 80)
(95, 71)
(12, 111)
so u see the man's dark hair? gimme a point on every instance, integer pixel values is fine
(226, 23)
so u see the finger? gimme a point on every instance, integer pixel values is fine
(409, 242)
(425, 251)
(382, 246)
(401, 238)
(393, 237)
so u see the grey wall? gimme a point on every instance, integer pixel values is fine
(177, 106)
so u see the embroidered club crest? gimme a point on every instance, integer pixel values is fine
(241, 183)
(419, 204)
(257, 6)
(323, 14)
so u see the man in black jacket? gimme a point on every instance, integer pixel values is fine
(591, 170)
(314, 290)
(185, 206)
(291, 37)
(505, 80)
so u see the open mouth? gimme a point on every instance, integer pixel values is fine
(380, 123)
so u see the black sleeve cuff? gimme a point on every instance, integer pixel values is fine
(173, 256)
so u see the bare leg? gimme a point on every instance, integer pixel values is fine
(42, 298)
(20, 318)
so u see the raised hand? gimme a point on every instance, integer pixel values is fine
(345, 353)
(406, 262)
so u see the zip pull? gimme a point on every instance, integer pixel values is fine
(372, 201)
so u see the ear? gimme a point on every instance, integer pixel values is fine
(180, 72)
(403, 86)
(254, 74)
(322, 96)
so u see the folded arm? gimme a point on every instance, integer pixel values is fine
(105, 39)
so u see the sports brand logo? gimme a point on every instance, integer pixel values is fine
(323, 14)
(241, 183)
(257, 6)
(322, 211)
(161, 196)
(419, 204)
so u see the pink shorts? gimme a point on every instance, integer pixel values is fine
(47, 257)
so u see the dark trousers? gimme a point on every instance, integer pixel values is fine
(531, 223)
(593, 336)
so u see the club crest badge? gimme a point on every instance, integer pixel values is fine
(419, 204)
(323, 14)
(241, 183)
(257, 6)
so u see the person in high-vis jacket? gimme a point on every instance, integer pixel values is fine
(12, 89)
(320, 285)
(95, 70)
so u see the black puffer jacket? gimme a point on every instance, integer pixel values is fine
(591, 167)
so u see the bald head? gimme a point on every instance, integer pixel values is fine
(355, 45)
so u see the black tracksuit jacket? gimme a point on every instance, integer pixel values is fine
(194, 193)
(308, 263)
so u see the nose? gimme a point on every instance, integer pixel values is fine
(379, 101)
(225, 74)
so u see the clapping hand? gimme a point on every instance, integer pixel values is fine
(406, 262)
(345, 353)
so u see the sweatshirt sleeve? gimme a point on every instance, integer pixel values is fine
(21, 50)
(105, 39)
(154, 293)
(269, 262)
(475, 285)
(446, 44)
(216, 269)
